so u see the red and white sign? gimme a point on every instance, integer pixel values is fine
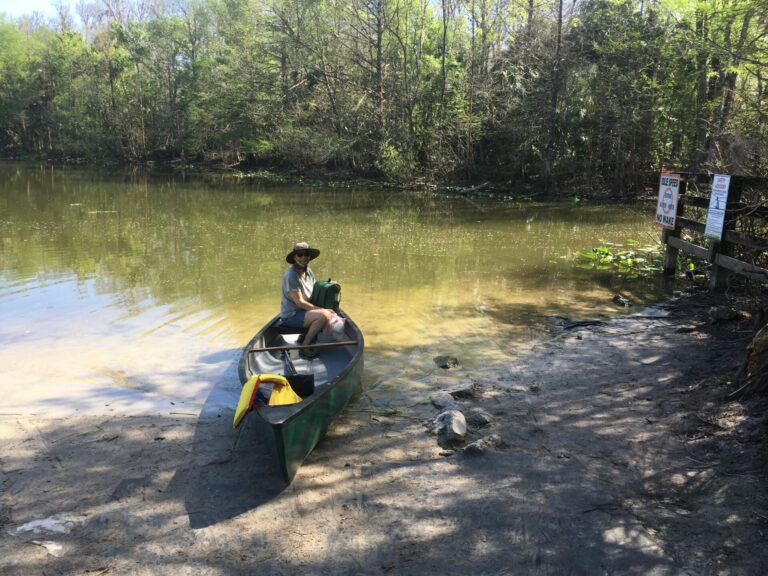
(666, 209)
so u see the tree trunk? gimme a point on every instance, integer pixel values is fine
(549, 153)
(702, 69)
(442, 60)
(730, 78)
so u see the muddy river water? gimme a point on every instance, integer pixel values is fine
(123, 292)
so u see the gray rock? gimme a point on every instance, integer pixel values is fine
(464, 390)
(619, 300)
(722, 314)
(479, 419)
(443, 400)
(484, 444)
(451, 426)
(447, 362)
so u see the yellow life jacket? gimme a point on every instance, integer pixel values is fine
(282, 394)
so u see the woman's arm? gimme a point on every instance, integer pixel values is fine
(298, 298)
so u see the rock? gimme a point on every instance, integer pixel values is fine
(479, 419)
(443, 400)
(757, 353)
(584, 324)
(451, 426)
(447, 362)
(464, 390)
(484, 444)
(54, 548)
(619, 300)
(722, 314)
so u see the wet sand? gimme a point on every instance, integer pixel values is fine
(620, 455)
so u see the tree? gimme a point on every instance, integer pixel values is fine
(551, 94)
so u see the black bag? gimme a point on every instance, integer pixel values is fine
(326, 294)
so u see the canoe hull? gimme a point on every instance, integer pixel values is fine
(293, 431)
(292, 441)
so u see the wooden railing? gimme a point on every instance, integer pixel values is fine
(738, 250)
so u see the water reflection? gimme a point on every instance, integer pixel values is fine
(168, 270)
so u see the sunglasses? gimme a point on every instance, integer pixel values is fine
(302, 254)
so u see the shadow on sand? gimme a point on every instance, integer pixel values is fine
(228, 472)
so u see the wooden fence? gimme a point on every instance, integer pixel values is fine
(743, 249)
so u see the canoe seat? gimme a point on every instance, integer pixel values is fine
(289, 330)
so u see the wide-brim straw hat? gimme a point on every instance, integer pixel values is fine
(302, 247)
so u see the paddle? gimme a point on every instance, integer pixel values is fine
(303, 346)
(302, 384)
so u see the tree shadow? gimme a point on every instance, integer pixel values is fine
(228, 472)
(226, 475)
(592, 479)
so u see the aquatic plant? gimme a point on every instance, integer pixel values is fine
(630, 260)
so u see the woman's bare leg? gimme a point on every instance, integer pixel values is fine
(314, 321)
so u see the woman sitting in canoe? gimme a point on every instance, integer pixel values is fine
(296, 311)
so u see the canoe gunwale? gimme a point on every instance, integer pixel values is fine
(278, 416)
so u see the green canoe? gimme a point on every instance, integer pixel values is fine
(294, 430)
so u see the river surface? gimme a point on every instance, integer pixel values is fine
(123, 292)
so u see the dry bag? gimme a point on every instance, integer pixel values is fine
(326, 294)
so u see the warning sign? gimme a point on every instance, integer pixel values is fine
(717, 202)
(666, 209)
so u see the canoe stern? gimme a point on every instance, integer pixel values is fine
(293, 439)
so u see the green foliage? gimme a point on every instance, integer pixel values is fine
(393, 164)
(633, 262)
(486, 90)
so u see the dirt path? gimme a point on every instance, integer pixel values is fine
(619, 455)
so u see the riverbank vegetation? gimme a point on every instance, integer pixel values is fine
(552, 94)
(628, 262)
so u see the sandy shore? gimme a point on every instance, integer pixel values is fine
(619, 455)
